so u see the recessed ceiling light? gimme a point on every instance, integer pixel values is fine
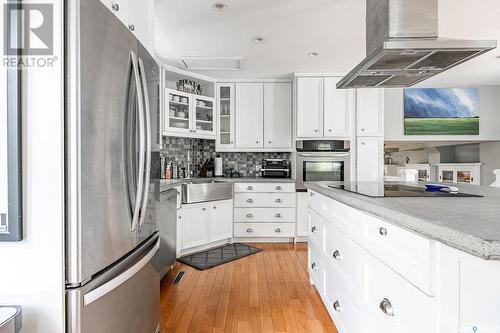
(313, 54)
(220, 7)
(259, 39)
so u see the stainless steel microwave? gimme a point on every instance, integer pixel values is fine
(321, 166)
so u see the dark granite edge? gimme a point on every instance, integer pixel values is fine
(486, 249)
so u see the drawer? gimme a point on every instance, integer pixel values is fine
(342, 307)
(264, 187)
(264, 230)
(316, 230)
(405, 252)
(286, 215)
(315, 201)
(345, 255)
(407, 309)
(315, 267)
(344, 218)
(264, 200)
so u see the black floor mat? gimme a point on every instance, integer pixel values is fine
(218, 256)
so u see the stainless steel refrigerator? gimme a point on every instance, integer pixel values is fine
(111, 84)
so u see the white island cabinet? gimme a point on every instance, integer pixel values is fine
(374, 276)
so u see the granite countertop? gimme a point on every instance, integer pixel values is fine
(470, 224)
(165, 184)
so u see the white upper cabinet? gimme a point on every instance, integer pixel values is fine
(277, 115)
(249, 115)
(370, 112)
(338, 104)
(138, 16)
(309, 107)
(225, 108)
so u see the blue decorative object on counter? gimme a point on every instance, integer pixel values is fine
(440, 188)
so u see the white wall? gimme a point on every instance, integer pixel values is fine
(32, 272)
(489, 153)
(489, 121)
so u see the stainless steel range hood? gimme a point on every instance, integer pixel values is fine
(403, 47)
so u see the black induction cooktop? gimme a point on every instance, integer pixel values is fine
(379, 190)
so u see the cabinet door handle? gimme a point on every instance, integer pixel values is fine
(329, 130)
(336, 254)
(313, 229)
(215, 207)
(313, 266)
(382, 231)
(131, 27)
(386, 307)
(336, 306)
(250, 188)
(250, 200)
(203, 208)
(311, 194)
(249, 230)
(256, 141)
(278, 230)
(278, 215)
(362, 130)
(277, 200)
(278, 188)
(115, 7)
(232, 142)
(316, 131)
(180, 217)
(249, 215)
(269, 142)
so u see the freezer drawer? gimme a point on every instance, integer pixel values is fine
(128, 301)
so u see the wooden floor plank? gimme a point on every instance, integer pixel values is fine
(267, 292)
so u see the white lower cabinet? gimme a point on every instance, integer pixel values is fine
(374, 276)
(302, 214)
(204, 223)
(264, 210)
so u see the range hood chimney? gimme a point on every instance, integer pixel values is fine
(403, 47)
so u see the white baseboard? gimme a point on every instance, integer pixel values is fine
(301, 239)
(263, 239)
(204, 247)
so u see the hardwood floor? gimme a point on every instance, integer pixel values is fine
(265, 292)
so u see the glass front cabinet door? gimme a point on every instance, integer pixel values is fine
(225, 132)
(179, 108)
(204, 115)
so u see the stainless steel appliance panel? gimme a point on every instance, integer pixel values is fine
(101, 93)
(124, 299)
(168, 230)
(319, 166)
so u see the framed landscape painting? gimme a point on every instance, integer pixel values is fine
(430, 111)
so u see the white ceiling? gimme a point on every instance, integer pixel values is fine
(333, 28)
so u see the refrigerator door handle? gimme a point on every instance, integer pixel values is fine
(148, 141)
(107, 287)
(140, 177)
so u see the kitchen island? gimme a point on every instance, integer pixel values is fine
(404, 264)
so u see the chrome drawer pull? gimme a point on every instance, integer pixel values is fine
(249, 200)
(311, 194)
(336, 306)
(313, 266)
(250, 215)
(116, 7)
(249, 230)
(313, 229)
(277, 230)
(277, 200)
(278, 188)
(277, 215)
(250, 188)
(336, 254)
(382, 231)
(386, 307)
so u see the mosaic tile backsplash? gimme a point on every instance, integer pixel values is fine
(175, 150)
